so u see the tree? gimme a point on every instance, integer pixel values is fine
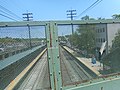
(87, 37)
(116, 16)
(85, 17)
(74, 39)
(116, 41)
(100, 18)
(84, 38)
(92, 19)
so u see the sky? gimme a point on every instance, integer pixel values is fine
(22, 32)
(44, 10)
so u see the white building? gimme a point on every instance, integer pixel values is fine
(106, 32)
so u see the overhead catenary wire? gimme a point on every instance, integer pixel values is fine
(8, 17)
(90, 7)
(10, 12)
(5, 9)
(6, 13)
(5, 2)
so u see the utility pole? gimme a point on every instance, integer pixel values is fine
(28, 17)
(71, 14)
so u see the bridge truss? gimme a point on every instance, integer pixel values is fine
(101, 83)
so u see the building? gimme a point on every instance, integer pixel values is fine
(106, 32)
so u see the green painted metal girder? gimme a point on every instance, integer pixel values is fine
(62, 22)
(54, 63)
(49, 57)
(54, 60)
(106, 84)
(53, 56)
(77, 22)
(23, 23)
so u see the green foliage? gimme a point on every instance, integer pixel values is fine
(85, 17)
(87, 37)
(100, 18)
(62, 38)
(112, 60)
(74, 39)
(7, 40)
(116, 16)
(116, 41)
(84, 38)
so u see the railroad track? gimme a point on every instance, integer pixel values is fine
(34, 79)
(71, 69)
(38, 77)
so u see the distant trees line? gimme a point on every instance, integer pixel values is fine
(115, 16)
(10, 39)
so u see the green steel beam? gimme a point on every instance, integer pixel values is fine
(49, 57)
(53, 52)
(110, 83)
(53, 56)
(23, 23)
(62, 22)
(77, 22)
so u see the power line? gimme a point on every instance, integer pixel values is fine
(90, 7)
(10, 12)
(6, 13)
(8, 17)
(12, 5)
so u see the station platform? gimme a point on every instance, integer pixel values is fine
(16, 81)
(87, 62)
(10, 60)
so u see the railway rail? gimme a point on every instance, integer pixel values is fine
(71, 69)
(38, 77)
(35, 79)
